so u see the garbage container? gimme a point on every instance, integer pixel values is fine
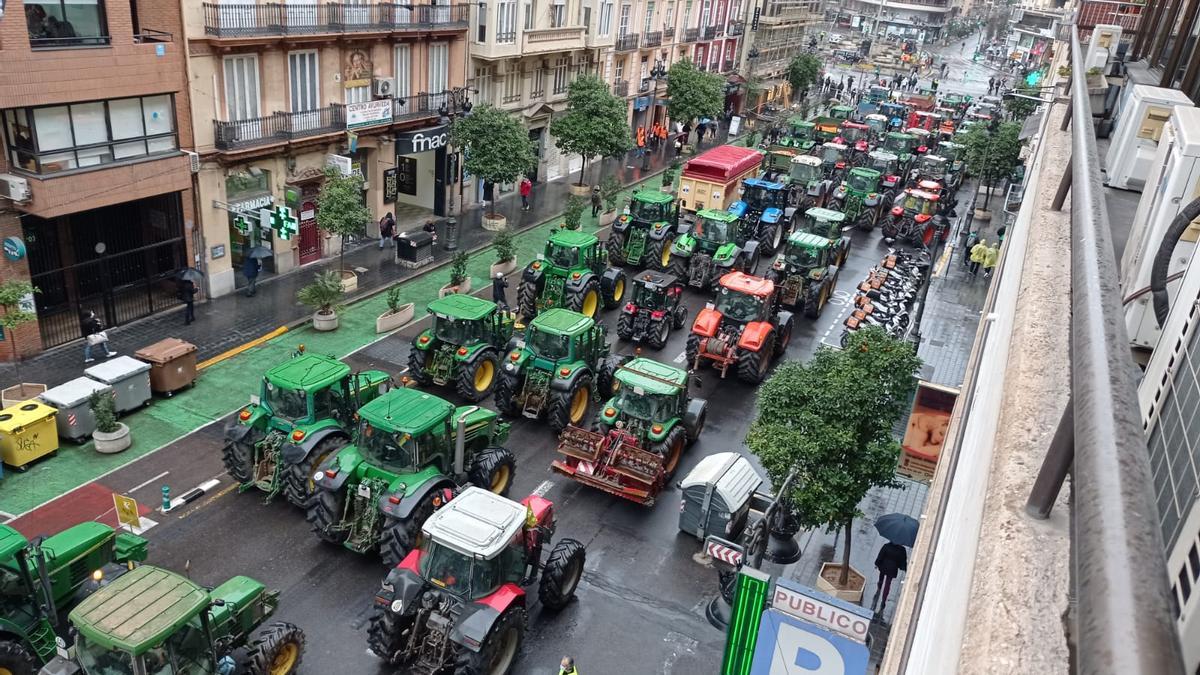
(26, 433)
(172, 365)
(716, 496)
(414, 249)
(128, 377)
(74, 420)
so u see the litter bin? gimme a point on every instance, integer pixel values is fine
(74, 420)
(128, 377)
(717, 495)
(414, 249)
(172, 365)
(26, 433)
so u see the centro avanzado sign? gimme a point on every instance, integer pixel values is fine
(414, 142)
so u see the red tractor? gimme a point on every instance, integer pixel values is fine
(457, 604)
(745, 327)
(911, 219)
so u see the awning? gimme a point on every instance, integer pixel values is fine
(734, 78)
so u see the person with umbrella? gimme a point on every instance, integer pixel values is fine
(250, 268)
(188, 278)
(900, 530)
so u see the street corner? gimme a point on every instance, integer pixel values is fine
(90, 502)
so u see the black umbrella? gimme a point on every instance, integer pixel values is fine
(191, 274)
(259, 252)
(898, 528)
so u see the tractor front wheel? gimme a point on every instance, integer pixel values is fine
(238, 458)
(864, 221)
(659, 254)
(752, 366)
(679, 317)
(586, 300)
(562, 573)
(616, 248)
(385, 635)
(493, 470)
(770, 237)
(477, 379)
(814, 305)
(571, 407)
(679, 267)
(527, 296)
(692, 350)
(785, 338)
(298, 481)
(278, 650)
(671, 450)
(499, 650)
(401, 536)
(659, 332)
(17, 659)
(326, 511)
(625, 326)
(506, 393)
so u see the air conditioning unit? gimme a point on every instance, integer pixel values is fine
(383, 87)
(15, 188)
(193, 160)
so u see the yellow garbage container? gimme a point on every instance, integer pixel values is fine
(27, 432)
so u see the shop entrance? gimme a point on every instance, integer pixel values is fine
(310, 235)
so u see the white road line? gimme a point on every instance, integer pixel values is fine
(193, 494)
(142, 485)
(7, 516)
(680, 357)
(544, 488)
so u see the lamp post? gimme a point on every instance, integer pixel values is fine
(658, 72)
(457, 103)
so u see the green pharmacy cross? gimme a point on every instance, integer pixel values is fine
(283, 222)
(242, 225)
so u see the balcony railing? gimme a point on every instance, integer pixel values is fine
(652, 39)
(710, 32)
(242, 20)
(691, 34)
(415, 107)
(279, 127)
(621, 88)
(735, 28)
(668, 34)
(627, 43)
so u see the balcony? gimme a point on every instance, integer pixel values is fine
(797, 17)
(690, 34)
(652, 39)
(710, 32)
(735, 28)
(553, 40)
(280, 127)
(248, 20)
(621, 88)
(417, 107)
(627, 43)
(668, 35)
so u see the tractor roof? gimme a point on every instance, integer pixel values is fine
(715, 214)
(308, 372)
(884, 155)
(740, 282)
(767, 185)
(877, 117)
(922, 194)
(894, 134)
(853, 125)
(917, 131)
(572, 238)
(818, 213)
(865, 172)
(408, 410)
(806, 159)
(11, 541)
(801, 123)
(929, 185)
(139, 609)
(559, 321)
(476, 523)
(808, 240)
(836, 146)
(462, 306)
(842, 108)
(652, 377)
(655, 279)
(934, 158)
(653, 197)
(950, 144)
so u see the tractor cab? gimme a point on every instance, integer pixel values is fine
(805, 169)
(921, 119)
(877, 93)
(824, 222)
(308, 387)
(776, 165)
(744, 299)
(921, 139)
(954, 153)
(803, 135)
(888, 165)
(833, 158)
(651, 207)
(639, 236)
(649, 392)
(932, 169)
(571, 272)
(899, 143)
(856, 135)
(841, 112)
(894, 112)
(760, 195)
(470, 544)
(566, 253)
(461, 320)
(716, 228)
(916, 204)
(656, 291)
(805, 252)
(858, 197)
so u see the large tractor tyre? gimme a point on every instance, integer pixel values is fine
(612, 289)
(671, 450)
(326, 511)
(679, 267)
(770, 237)
(493, 470)
(752, 367)
(561, 575)
(586, 300)
(508, 388)
(606, 378)
(571, 408)
(17, 659)
(477, 379)
(752, 259)
(238, 458)
(527, 296)
(277, 650)
(499, 650)
(890, 230)
(692, 350)
(784, 338)
(659, 254)
(416, 366)
(658, 333)
(401, 536)
(864, 221)
(693, 435)
(385, 635)
(625, 326)
(816, 303)
(679, 317)
(298, 481)
(616, 248)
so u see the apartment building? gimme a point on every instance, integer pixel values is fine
(918, 20)
(779, 32)
(280, 91)
(96, 205)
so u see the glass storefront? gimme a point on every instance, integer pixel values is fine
(247, 193)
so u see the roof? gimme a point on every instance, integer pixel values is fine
(462, 306)
(929, 185)
(854, 125)
(801, 123)
(715, 214)
(653, 197)
(864, 171)
(652, 377)
(831, 144)
(744, 283)
(922, 194)
(806, 159)
(951, 144)
(572, 238)
(652, 278)
(876, 116)
(758, 182)
(725, 161)
(476, 523)
(733, 476)
(936, 158)
(139, 609)
(884, 155)
(405, 409)
(893, 134)
(559, 321)
(11, 541)
(808, 240)
(308, 372)
(819, 213)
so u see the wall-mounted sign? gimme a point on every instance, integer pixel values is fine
(754, 21)
(789, 645)
(368, 113)
(389, 186)
(252, 204)
(813, 607)
(218, 251)
(414, 142)
(339, 162)
(406, 175)
(14, 248)
(641, 103)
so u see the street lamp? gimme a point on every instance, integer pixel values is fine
(457, 103)
(657, 72)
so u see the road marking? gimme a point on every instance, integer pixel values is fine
(7, 516)
(543, 488)
(142, 485)
(680, 357)
(192, 495)
(215, 497)
(146, 524)
(947, 255)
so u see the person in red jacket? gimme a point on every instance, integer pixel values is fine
(524, 189)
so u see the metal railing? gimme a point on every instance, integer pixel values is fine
(627, 43)
(1123, 619)
(734, 28)
(710, 32)
(151, 35)
(668, 34)
(417, 106)
(279, 127)
(652, 39)
(691, 34)
(240, 20)
(727, 66)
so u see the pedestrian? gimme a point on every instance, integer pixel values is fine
(990, 257)
(187, 293)
(972, 237)
(387, 230)
(991, 84)
(679, 145)
(892, 559)
(978, 252)
(596, 203)
(687, 131)
(250, 268)
(93, 335)
(567, 666)
(525, 188)
(500, 290)
(1000, 233)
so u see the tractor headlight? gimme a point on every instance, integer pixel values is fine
(397, 606)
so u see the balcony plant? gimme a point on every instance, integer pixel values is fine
(12, 293)
(497, 150)
(324, 295)
(397, 314)
(460, 278)
(110, 436)
(342, 213)
(506, 253)
(594, 124)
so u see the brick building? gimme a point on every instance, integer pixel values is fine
(96, 206)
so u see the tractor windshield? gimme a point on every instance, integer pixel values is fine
(739, 307)
(763, 198)
(932, 167)
(711, 230)
(646, 297)
(853, 134)
(896, 143)
(860, 183)
(647, 211)
(462, 575)
(805, 173)
(802, 256)
(98, 660)
(394, 450)
(288, 404)
(548, 345)
(883, 165)
(562, 256)
(454, 331)
(831, 155)
(640, 406)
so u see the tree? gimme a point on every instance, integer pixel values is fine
(594, 123)
(992, 154)
(693, 93)
(496, 145)
(12, 292)
(831, 420)
(802, 72)
(1019, 107)
(341, 210)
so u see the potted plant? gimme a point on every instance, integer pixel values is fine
(398, 313)
(573, 213)
(324, 295)
(342, 213)
(497, 150)
(506, 253)
(460, 279)
(610, 195)
(110, 435)
(12, 294)
(594, 124)
(668, 177)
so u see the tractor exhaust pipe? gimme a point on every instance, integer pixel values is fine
(460, 440)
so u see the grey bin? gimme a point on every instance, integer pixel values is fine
(129, 377)
(717, 495)
(74, 419)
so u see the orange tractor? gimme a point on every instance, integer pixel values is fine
(745, 328)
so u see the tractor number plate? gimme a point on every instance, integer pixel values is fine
(364, 490)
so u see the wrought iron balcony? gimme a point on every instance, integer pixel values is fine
(279, 127)
(735, 28)
(691, 34)
(652, 39)
(245, 20)
(710, 32)
(627, 43)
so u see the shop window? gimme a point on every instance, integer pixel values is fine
(56, 24)
(241, 185)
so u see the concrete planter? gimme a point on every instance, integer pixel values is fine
(464, 287)
(112, 443)
(579, 190)
(827, 583)
(608, 218)
(19, 393)
(349, 281)
(494, 222)
(389, 320)
(505, 267)
(325, 321)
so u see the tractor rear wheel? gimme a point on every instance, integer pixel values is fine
(277, 650)
(658, 333)
(477, 379)
(679, 267)
(238, 458)
(17, 659)
(505, 396)
(612, 288)
(692, 350)
(659, 254)
(814, 305)
(616, 248)
(784, 339)
(586, 300)
(326, 511)
(770, 237)
(671, 450)
(500, 648)
(562, 573)
(385, 635)
(527, 296)
(401, 536)
(606, 378)
(493, 470)
(679, 317)
(416, 366)
(297, 482)
(752, 367)
(571, 407)
(625, 326)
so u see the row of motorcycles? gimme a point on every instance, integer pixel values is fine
(886, 296)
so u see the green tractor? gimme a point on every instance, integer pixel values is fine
(301, 416)
(890, 179)
(858, 197)
(714, 245)
(462, 345)
(955, 154)
(42, 579)
(560, 366)
(806, 272)
(573, 272)
(831, 225)
(803, 135)
(643, 236)
(409, 448)
(154, 622)
(903, 146)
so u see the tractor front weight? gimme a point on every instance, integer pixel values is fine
(362, 513)
(535, 393)
(268, 465)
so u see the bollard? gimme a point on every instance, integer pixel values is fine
(166, 492)
(720, 607)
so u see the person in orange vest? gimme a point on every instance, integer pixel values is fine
(641, 137)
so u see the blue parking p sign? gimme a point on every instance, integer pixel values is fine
(788, 646)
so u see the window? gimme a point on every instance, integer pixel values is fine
(303, 81)
(512, 88)
(669, 17)
(1185, 586)
(481, 18)
(645, 67)
(62, 23)
(356, 12)
(529, 16)
(403, 71)
(561, 80)
(506, 22)
(620, 69)
(623, 26)
(359, 94)
(558, 14)
(65, 137)
(606, 13)
(538, 88)
(649, 17)
(483, 83)
(687, 13)
(439, 67)
(705, 13)
(241, 87)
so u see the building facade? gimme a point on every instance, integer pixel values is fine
(280, 92)
(777, 34)
(921, 21)
(96, 201)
